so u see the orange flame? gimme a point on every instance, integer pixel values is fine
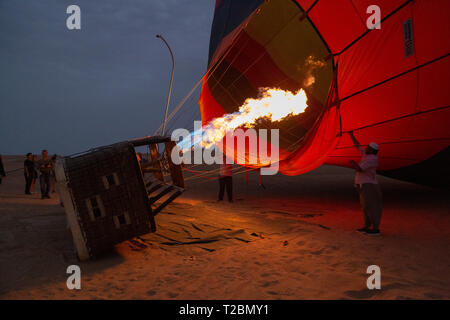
(273, 105)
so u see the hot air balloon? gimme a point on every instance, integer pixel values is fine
(388, 84)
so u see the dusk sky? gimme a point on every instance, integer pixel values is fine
(71, 90)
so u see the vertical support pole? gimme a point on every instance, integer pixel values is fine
(260, 176)
(246, 175)
(155, 160)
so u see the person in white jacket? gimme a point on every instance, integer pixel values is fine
(367, 185)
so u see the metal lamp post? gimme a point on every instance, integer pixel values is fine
(170, 86)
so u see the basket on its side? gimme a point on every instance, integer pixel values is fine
(105, 197)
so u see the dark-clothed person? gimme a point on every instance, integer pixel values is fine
(53, 174)
(29, 172)
(226, 181)
(35, 174)
(2, 170)
(368, 188)
(45, 166)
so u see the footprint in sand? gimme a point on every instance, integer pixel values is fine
(269, 283)
(335, 265)
(151, 292)
(172, 295)
(313, 276)
(318, 252)
(274, 273)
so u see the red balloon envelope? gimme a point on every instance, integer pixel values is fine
(388, 84)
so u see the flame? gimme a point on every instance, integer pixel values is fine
(273, 105)
(310, 67)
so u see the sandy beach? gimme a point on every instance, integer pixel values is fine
(295, 239)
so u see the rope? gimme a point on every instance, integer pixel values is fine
(178, 107)
(234, 174)
(210, 173)
(209, 72)
(200, 171)
(212, 69)
(197, 174)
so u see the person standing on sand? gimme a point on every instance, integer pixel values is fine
(29, 172)
(367, 185)
(226, 181)
(2, 169)
(45, 166)
(53, 175)
(35, 174)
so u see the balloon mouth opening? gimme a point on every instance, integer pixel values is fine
(294, 129)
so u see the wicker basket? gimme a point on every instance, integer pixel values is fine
(105, 198)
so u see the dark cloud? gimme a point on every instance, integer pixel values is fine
(69, 91)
